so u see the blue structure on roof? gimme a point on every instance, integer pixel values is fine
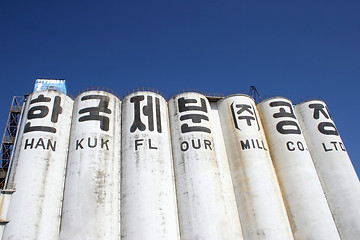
(50, 84)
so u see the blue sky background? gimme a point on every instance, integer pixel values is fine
(297, 49)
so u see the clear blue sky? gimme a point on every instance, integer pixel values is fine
(297, 49)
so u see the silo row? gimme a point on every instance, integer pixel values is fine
(261, 209)
(189, 169)
(308, 212)
(337, 175)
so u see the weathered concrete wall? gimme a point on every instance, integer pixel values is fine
(35, 207)
(200, 193)
(224, 170)
(148, 197)
(260, 204)
(185, 169)
(308, 211)
(91, 208)
(336, 173)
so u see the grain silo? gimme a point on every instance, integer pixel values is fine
(308, 212)
(148, 197)
(224, 169)
(91, 208)
(38, 179)
(200, 194)
(260, 204)
(333, 165)
(133, 173)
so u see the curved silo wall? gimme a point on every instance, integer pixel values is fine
(148, 197)
(91, 208)
(333, 166)
(35, 206)
(308, 211)
(201, 203)
(224, 170)
(260, 204)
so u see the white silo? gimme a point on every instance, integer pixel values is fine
(148, 196)
(308, 211)
(224, 170)
(200, 193)
(337, 175)
(42, 147)
(260, 204)
(5, 198)
(91, 207)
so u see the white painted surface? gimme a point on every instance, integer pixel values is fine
(199, 184)
(206, 201)
(333, 165)
(91, 208)
(225, 175)
(148, 197)
(260, 204)
(35, 207)
(5, 198)
(308, 212)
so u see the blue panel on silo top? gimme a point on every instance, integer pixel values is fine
(50, 84)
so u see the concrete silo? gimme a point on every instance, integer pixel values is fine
(91, 208)
(38, 174)
(333, 166)
(224, 170)
(200, 193)
(308, 212)
(260, 204)
(204, 171)
(148, 197)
